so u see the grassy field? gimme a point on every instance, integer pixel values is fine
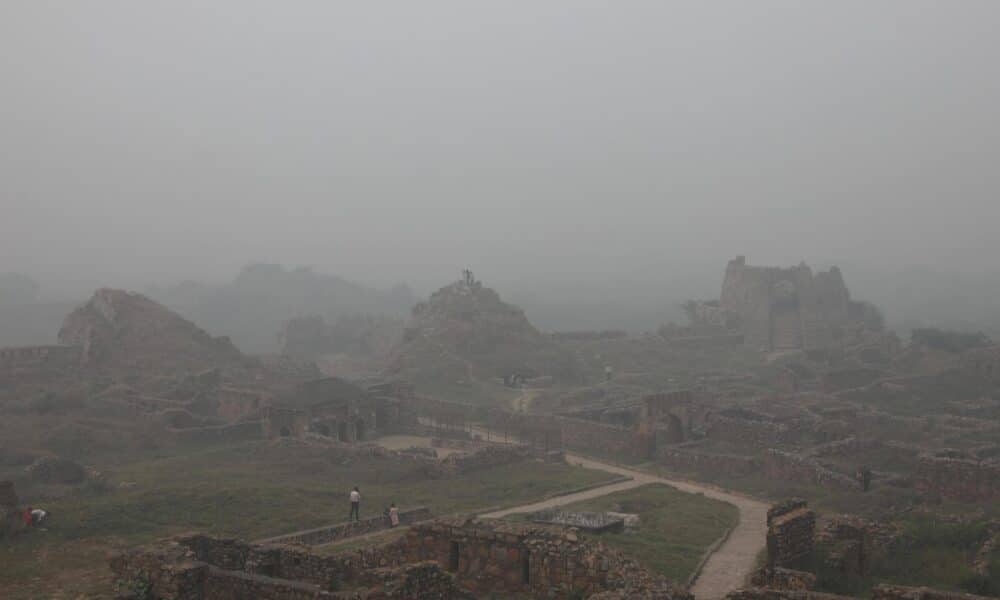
(675, 528)
(249, 490)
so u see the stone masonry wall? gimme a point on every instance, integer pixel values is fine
(791, 529)
(601, 438)
(691, 460)
(960, 476)
(757, 433)
(789, 466)
(483, 557)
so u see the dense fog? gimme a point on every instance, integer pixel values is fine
(597, 162)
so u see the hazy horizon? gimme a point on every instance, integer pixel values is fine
(569, 144)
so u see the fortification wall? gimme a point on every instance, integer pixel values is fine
(789, 466)
(759, 433)
(791, 529)
(691, 460)
(960, 476)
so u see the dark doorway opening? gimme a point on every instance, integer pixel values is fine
(526, 567)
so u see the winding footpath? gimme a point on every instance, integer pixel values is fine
(727, 568)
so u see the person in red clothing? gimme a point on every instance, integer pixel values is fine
(28, 519)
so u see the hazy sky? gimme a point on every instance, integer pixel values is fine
(403, 140)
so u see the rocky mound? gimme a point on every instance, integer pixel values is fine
(465, 329)
(124, 330)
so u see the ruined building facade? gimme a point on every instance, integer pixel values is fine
(785, 309)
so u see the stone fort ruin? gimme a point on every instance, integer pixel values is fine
(783, 308)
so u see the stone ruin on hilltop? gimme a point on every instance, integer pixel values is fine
(125, 330)
(464, 329)
(778, 309)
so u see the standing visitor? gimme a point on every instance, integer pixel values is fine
(355, 505)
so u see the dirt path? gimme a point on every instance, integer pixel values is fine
(727, 568)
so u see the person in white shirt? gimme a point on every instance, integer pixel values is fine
(355, 505)
(393, 515)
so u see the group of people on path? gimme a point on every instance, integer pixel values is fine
(392, 512)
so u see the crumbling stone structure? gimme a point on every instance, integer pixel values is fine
(745, 427)
(688, 458)
(449, 558)
(969, 476)
(789, 466)
(784, 309)
(341, 531)
(791, 528)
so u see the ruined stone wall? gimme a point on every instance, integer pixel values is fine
(236, 585)
(483, 557)
(760, 433)
(785, 308)
(604, 439)
(849, 445)
(487, 457)
(203, 568)
(959, 475)
(340, 531)
(689, 459)
(503, 558)
(791, 529)
(237, 403)
(789, 466)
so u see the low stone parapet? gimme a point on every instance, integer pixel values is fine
(341, 531)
